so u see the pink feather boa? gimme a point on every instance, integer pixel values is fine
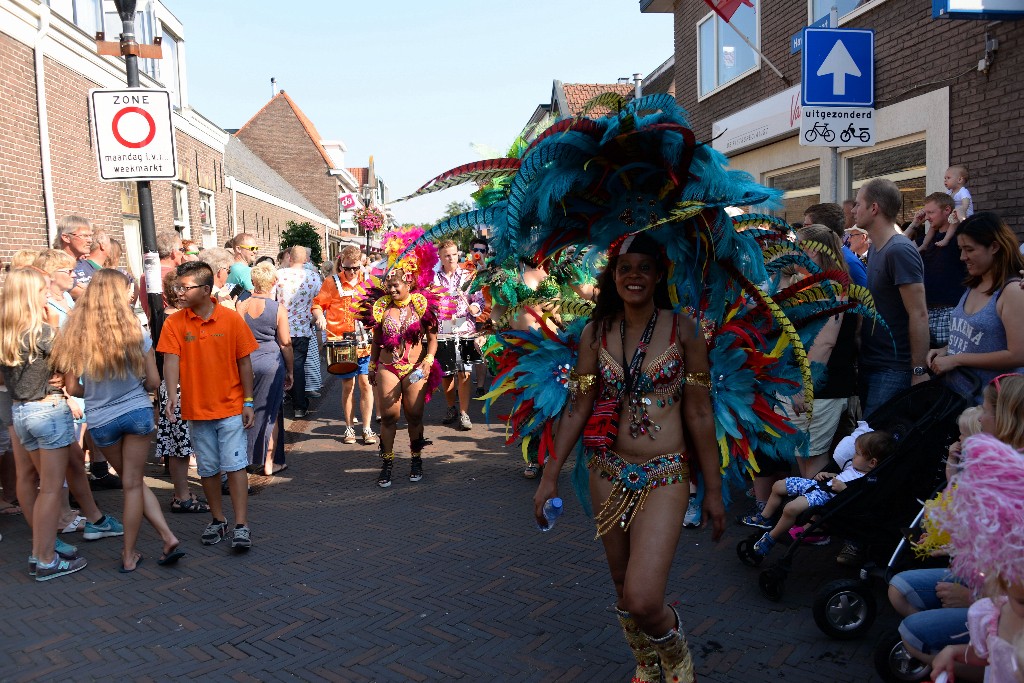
(985, 518)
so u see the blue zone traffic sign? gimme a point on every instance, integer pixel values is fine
(838, 67)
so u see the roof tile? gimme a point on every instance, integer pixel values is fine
(578, 94)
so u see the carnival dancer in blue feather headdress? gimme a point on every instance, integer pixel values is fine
(687, 361)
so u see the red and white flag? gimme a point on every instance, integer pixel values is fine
(727, 8)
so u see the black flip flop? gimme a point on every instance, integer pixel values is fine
(168, 559)
(122, 570)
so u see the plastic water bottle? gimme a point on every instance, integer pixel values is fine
(415, 376)
(552, 511)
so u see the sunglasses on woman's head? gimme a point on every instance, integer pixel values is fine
(995, 380)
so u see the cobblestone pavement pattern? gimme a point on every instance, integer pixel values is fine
(446, 579)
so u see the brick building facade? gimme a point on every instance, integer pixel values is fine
(49, 171)
(284, 137)
(934, 107)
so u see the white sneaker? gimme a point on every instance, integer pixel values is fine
(465, 424)
(692, 517)
(349, 436)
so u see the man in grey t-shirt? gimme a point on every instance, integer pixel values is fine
(890, 363)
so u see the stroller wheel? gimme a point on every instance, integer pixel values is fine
(845, 609)
(894, 664)
(745, 551)
(772, 582)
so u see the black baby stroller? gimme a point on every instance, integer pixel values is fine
(874, 510)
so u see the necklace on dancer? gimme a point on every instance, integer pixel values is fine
(639, 419)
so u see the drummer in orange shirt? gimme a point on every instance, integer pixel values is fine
(333, 310)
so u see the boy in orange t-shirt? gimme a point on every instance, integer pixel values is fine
(206, 350)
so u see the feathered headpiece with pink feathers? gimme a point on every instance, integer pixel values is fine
(984, 515)
(418, 263)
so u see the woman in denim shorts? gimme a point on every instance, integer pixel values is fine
(41, 417)
(103, 343)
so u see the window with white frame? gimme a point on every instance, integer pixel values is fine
(81, 13)
(144, 32)
(207, 210)
(169, 67)
(179, 209)
(820, 8)
(723, 55)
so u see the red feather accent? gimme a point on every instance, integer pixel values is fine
(837, 275)
(578, 125)
(476, 171)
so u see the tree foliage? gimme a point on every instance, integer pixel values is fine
(303, 235)
(463, 237)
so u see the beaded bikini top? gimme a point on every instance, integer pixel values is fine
(662, 377)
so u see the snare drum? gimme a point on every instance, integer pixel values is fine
(342, 356)
(457, 354)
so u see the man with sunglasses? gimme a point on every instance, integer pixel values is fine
(333, 311)
(245, 250)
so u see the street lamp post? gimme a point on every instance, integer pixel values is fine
(367, 196)
(131, 50)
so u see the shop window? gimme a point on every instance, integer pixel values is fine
(903, 164)
(801, 188)
(723, 56)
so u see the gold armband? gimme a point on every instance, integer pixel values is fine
(578, 384)
(373, 366)
(428, 359)
(700, 379)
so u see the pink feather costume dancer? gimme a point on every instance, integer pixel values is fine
(984, 517)
(402, 308)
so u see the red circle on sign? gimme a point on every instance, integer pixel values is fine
(134, 110)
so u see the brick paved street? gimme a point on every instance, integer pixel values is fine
(446, 579)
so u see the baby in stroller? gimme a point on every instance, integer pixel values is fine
(871, 448)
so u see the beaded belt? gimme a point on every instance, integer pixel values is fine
(632, 483)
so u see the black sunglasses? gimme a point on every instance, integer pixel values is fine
(350, 267)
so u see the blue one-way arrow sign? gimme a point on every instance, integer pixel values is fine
(838, 67)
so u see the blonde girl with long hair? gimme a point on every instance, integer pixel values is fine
(41, 417)
(104, 344)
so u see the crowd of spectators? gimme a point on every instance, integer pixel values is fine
(947, 286)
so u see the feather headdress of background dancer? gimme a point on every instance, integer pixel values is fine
(586, 184)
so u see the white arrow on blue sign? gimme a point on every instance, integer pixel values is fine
(838, 67)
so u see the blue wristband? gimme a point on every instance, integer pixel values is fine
(247, 404)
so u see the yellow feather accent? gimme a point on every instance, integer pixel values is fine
(811, 245)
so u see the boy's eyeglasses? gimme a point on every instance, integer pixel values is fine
(181, 289)
(995, 380)
(479, 251)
